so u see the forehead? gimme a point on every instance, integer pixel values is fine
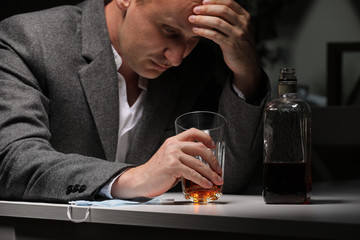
(172, 7)
(176, 2)
(172, 10)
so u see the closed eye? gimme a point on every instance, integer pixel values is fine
(170, 31)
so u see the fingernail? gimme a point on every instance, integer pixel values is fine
(197, 9)
(220, 180)
(191, 18)
(206, 1)
(196, 29)
(213, 145)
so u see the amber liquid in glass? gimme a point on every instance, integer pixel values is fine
(199, 194)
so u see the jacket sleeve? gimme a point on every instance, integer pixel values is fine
(244, 144)
(30, 168)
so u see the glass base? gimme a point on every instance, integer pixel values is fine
(202, 196)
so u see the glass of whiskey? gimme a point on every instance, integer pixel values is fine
(213, 124)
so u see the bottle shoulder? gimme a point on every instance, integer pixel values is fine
(293, 104)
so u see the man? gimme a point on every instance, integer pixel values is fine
(75, 124)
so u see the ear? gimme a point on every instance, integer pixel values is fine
(123, 4)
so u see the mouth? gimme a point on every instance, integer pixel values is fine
(160, 67)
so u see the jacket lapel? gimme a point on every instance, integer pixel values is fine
(99, 77)
(100, 85)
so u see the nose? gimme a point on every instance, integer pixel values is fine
(175, 53)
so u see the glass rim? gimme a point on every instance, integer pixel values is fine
(200, 112)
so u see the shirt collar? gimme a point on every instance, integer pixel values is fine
(118, 59)
(142, 83)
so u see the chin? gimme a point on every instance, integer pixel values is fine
(150, 74)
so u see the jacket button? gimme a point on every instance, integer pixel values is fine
(82, 188)
(76, 188)
(69, 189)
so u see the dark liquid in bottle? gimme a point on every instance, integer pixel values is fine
(286, 183)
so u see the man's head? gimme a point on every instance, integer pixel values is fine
(152, 35)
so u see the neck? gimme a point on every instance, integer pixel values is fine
(113, 18)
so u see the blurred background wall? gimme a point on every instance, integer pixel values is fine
(296, 34)
(302, 43)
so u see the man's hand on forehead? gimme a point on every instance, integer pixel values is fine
(228, 24)
(219, 15)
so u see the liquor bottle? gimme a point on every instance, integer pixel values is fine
(287, 146)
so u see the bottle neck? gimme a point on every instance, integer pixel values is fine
(287, 89)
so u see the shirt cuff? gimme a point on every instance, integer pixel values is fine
(239, 93)
(106, 190)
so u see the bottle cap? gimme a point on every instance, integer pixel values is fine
(287, 74)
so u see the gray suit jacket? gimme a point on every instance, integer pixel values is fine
(59, 110)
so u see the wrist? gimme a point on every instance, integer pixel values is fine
(248, 84)
(124, 187)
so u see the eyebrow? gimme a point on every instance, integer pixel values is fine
(175, 23)
(180, 25)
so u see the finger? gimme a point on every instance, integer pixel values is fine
(229, 3)
(194, 134)
(203, 169)
(221, 11)
(220, 31)
(215, 24)
(206, 154)
(194, 176)
(229, 25)
(211, 34)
